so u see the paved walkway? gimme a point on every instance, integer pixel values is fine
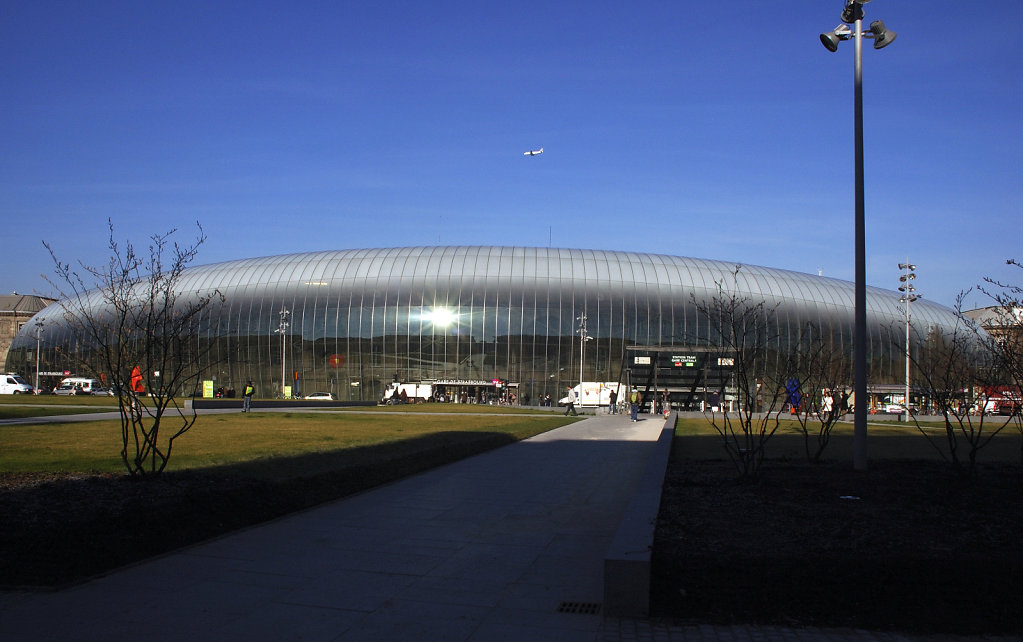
(507, 545)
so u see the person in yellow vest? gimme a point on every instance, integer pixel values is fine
(635, 399)
(247, 396)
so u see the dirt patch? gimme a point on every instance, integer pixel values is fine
(904, 546)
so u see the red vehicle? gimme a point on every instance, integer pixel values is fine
(1004, 400)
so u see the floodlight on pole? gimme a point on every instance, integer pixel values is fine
(583, 338)
(282, 328)
(852, 14)
(882, 37)
(39, 328)
(908, 297)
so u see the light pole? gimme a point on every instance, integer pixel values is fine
(39, 329)
(852, 14)
(282, 327)
(907, 297)
(582, 349)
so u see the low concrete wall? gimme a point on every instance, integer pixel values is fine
(627, 561)
(212, 404)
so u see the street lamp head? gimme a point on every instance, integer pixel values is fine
(882, 36)
(831, 39)
(906, 266)
(853, 11)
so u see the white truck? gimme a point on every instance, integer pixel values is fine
(86, 385)
(13, 384)
(594, 393)
(414, 393)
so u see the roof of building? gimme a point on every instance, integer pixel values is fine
(23, 304)
(996, 316)
(447, 269)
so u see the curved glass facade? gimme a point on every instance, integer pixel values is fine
(358, 319)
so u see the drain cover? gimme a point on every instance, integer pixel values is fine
(580, 608)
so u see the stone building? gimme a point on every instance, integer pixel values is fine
(15, 311)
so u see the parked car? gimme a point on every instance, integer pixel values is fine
(321, 396)
(103, 392)
(66, 390)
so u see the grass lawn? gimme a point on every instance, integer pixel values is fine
(906, 545)
(70, 511)
(264, 442)
(885, 441)
(10, 411)
(59, 401)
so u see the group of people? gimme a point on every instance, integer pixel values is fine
(635, 401)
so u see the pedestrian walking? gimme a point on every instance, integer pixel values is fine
(635, 399)
(613, 402)
(571, 402)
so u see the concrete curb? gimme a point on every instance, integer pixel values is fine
(627, 561)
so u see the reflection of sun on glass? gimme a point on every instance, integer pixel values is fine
(441, 317)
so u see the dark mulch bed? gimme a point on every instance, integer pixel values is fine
(904, 546)
(59, 528)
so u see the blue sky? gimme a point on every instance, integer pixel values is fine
(718, 130)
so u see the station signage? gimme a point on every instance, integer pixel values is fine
(464, 382)
(683, 360)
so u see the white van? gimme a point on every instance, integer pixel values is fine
(86, 385)
(595, 393)
(13, 384)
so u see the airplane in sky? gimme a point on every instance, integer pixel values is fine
(533, 152)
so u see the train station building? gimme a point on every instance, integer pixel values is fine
(525, 321)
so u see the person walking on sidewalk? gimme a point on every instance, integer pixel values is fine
(571, 402)
(635, 399)
(612, 404)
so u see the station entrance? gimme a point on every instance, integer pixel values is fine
(688, 377)
(480, 391)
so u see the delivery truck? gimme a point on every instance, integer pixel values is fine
(414, 393)
(594, 394)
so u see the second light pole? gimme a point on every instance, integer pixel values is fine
(583, 338)
(908, 297)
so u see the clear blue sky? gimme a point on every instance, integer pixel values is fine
(716, 130)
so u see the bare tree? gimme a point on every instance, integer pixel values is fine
(820, 371)
(1006, 329)
(747, 328)
(959, 373)
(132, 327)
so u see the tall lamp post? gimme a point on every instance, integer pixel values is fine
(282, 327)
(907, 297)
(582, 350)
(852, 14)
(39, 329)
